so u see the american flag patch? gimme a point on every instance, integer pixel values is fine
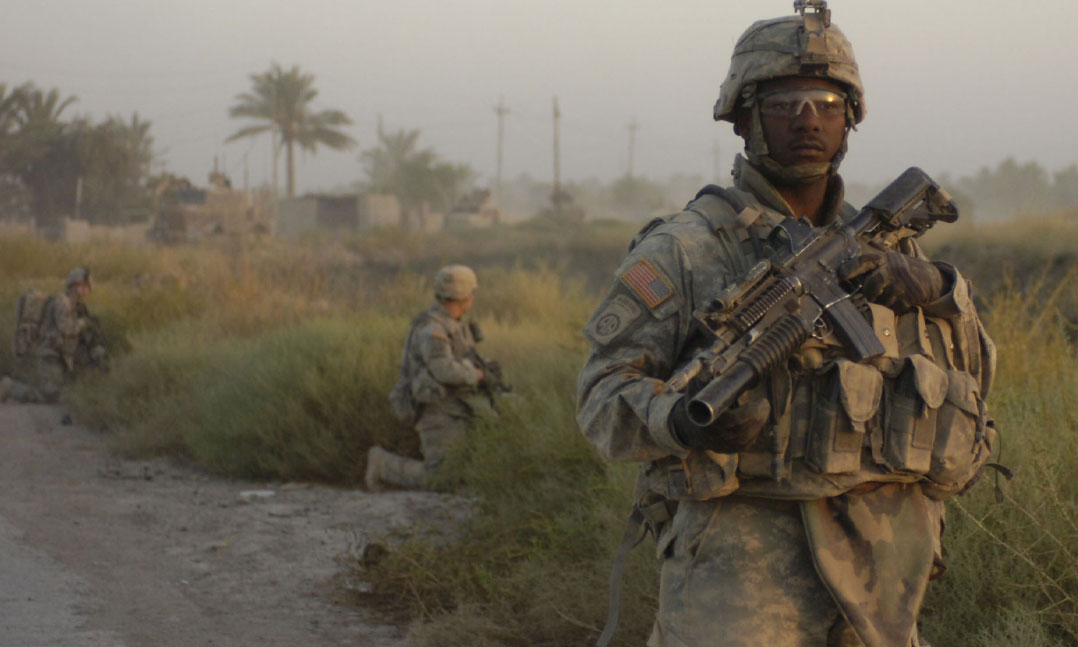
(648, 283)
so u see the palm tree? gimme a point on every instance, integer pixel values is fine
(281, 99)
(9, 107)
(133, 139)
(400, 167)
(39, 111)
(42, 150)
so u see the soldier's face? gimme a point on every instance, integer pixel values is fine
(82, 290)
(814, 133)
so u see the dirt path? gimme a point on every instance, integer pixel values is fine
(101, 552)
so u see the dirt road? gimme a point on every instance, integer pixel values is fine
(96, 551)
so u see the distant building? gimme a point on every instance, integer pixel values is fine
(342, 213)
(423, 218)
(354, 213)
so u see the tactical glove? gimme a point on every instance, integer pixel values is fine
(895, 280)
(734, 430)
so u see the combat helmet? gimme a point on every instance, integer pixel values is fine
(76, 276)
(455, 282)
(799, 45)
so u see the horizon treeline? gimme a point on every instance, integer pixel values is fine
(54, 164)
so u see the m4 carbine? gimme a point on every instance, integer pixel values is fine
(93, 347)
(764, 317)
(493, 382)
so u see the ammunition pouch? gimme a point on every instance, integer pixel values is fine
(964, 438)
(426, 389)
(662, 483)
(911, 415)
(850, 398)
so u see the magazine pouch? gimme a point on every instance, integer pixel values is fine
(850, 398)
(911, 414)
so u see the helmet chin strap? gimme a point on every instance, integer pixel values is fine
(758, 155)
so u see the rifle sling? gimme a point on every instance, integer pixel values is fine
(633, 535)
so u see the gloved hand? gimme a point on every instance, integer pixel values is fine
(734, 430)
(895, 280)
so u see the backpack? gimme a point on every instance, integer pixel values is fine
(402, 402)
(29, 315)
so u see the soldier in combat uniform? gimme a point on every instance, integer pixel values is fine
(65, 340)
(438, 379)
(830, 536)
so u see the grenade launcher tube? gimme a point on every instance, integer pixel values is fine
(765, 353)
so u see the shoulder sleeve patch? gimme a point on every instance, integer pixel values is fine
(648, 283)
(434, 331)
(613, 319)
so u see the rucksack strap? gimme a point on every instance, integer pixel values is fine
(730, 217)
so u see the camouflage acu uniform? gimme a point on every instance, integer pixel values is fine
(832, 543)
(442, 381)
(54, 355)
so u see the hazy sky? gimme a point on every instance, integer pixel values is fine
(952, 85)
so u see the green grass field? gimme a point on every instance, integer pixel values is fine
(274, 361)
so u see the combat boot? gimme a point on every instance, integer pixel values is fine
(386, 468)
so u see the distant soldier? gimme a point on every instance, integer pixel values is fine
(60, 335)
(440, 376)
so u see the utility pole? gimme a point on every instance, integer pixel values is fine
(501, 111)
(557, 154)
(633, 126)
(78, 198)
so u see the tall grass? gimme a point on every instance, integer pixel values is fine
(274, 361)
(303, 401)
(1014, 564)
(533, 563)
(532, 566)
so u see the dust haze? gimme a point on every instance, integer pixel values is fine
(952, 87)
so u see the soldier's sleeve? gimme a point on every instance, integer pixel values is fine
(972, 343)
(61, 313)
(66, 319)
(437, 353)
(637, 334)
